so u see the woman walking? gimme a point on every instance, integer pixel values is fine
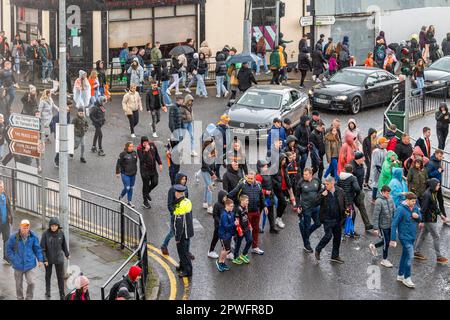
(95, 87)
(98, 120)
(29, 101)
(100, 68)
(82, 92)
(208, 175)
(175, 72)
(419, 74)
(304, 65)
(126, 168)
(188, 118)
(442, 124)
(136, 74)
(46, 106)
(132, 105)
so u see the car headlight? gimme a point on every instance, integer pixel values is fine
(438, 82)
(340, 98)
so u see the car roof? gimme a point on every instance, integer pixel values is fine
(365, 70)
(272, 89)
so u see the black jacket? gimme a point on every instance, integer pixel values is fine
(175, 118)
(318, 61)
(367, 145)
(304, 62)
(254, 193)
(403, 151)
(318, 140)
(127, 163)
(221, 68)
(148, 160)
(358, 172)
(231, 178)
(219, 207)
(97, 115)
(171, 193)
(154, 100)
(202, 66)
(323, 203)
(307, 193)
(183, 224)
(303, 132)
(441, 122)
(30, 104)
(246, 78)
(350, 186)
(175, 66)
(429, 207)
(446, 46)
(54, 245)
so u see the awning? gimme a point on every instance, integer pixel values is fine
(101, 5)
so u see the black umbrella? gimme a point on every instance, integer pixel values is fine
(243, 57)
(179, 50)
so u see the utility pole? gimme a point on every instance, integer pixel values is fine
(63, 136)
(407, 102)
(313, 27)
(277, 19)
(247, 26)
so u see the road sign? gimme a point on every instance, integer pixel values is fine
(25, 149)
(25, 122)
(325, 20)
(23, 135)
(306, 21)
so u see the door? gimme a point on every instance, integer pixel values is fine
(372, 89)
(386, 83)
(286, 106)
(297, 107)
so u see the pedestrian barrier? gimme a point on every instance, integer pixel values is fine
(90, 212)
(420, 105)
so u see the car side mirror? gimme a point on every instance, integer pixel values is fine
(287, 108)
(368, 85)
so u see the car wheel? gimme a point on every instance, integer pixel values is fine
(356, 105)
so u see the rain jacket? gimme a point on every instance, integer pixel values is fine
(226, 225)
(386, 170)
(355, 132)
(347, 152)
(404, 225)
(53, 244)
(417, 180)
(398, 186)
(23, 254)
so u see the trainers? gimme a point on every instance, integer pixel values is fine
(337, 260)
(225, 95)
(155, 135)
(131, 205)
(205, 205)
(213, 255)
(308, 249)
(225, 267)
(210, 210)
(257, 251)
(218, 96)
(219, 266)
(442, 260)
(133, 135)
(400, 278)
(178, 93)
(355, 235)
(188, 90)
(408, 282)
(386, 263)
(146, 205)
(244, 258)
(194, 154)
(419, 256)
(164, 251)
(373, 249)
(317, 255)
(168, 92)
(279, 223)
(101, 153)
(237, 261)
(83, 160)
(94, 149)
(230, 256)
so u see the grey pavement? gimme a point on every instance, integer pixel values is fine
(416, 126)
(284, 272)
(95, 259)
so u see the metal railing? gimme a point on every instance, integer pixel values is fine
(420, 106)
(89, 212)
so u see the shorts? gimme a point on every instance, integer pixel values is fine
(226, 244)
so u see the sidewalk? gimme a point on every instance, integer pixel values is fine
(96, 259)
(416, 126)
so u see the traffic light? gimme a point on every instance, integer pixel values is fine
(282, 9)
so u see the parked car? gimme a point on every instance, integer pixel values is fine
(438, 73)
(254, 112)
(355, 88)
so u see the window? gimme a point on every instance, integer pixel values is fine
(264, 12)
(295, 96)
(164, 12)
(141, 13)
(372, 79)
(383, 77)
(287, 100)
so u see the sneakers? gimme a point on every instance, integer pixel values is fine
(419, 256)
(83, 160)
(131, 205)
(225, 267)
(155, 135)
(188, 90)
(205, 205)
(337, 260)
(133, 135)
(168, 92)
(230, 256)
(219, 266)
(225, 95)
(408, 282)
(146, 205)
(218, 96)
(194, 154)
(164, 251)
(257, 251)
(386, 263)
(400, 278)
(213, 255)
(308, 249)
(279, 223)
(94, 149)
(442, 260)
(244, 258)
(101, 153)
(210, 210)
(373, 249)
(178, 93)
(237, 261)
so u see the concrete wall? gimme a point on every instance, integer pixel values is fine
(291, 29)
(6, 18)
(46, 26)
(97, 35)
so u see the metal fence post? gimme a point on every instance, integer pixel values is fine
(122, 226)
(423, 103)
(13, 195)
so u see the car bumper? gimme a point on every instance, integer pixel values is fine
(333, 105)
(258, 133)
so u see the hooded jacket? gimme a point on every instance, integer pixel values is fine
(304, 61)
(433, 168)
(136, 74)
(403, 151)
(398, 186)
(386, 170)
(349, 184)
(376, 165)
(227, 228)
(404, 226)
(231, 178)
(53, 244)
(332, 145)
(154, 99)
(355, 132)
(383, 212)
(23, 254)
(219, 207)
(171, 193)
(296, 148)
(127, 163)
(97, 114)
(303, 132)
(358, 172)
(367, 144)
(417, 180)
(246, 78)
(417, 152)
(187, 115)
(30, 103)
(81, 126)
(317, 139)
(429, 206)
(441, 122)
(347, 152)
(148, 159)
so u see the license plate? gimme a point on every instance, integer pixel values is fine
(322, 101)
(241, 131)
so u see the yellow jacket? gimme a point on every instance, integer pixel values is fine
(283, 63)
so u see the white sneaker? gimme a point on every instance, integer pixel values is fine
(133, 135)
(188, 90)
(213, 255)
(194, 154)
(205, 205)
(279, 223)
(168, 92)
(400, 278)
(209, 210)
(408, 282)
(155, 135)
(230, 256)
(218, 96)
(386, 263)
(258, 251)
(225, 95)
(373, 249)
(178, 93)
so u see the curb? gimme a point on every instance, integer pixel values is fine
(154, 294)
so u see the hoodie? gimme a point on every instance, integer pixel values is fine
(417, 179)
(136, 74)
(417, 152)
(398, 186)
(383, 212)
(148, 159)
(171, 194)
(347, 152)
(429, 206)
(53, 244)
(219, 207)
(349, 184)
(386, 170)
(368, 144)
(442, 120)
(356, 132)
(303, 132)
(433, 168)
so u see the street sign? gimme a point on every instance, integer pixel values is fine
(325, 20)
(25, 149)
(306, 21)
(25, 122)
(23, 135)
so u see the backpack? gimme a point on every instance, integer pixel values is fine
(381, 53)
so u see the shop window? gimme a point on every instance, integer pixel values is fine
(264, 12)
(135, 33)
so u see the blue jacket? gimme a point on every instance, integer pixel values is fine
(23, 255)
(406, 225)
(281, 135)
(226, 225)
(433, 167)
(397, 185)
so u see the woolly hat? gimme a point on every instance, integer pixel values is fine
(81, 282)
(134, 272)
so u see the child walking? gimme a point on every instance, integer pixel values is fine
(227, 229)
(244, 230)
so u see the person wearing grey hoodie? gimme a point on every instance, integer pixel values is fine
(136, 74)
(187, 117)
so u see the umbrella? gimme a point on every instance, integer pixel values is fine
(243, 57)
(179, 50)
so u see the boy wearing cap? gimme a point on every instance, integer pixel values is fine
(23, 250)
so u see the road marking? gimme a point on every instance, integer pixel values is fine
(170, 274)
(186, 289)
(168, 258)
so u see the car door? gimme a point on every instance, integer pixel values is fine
(386, 85)
(297, 109)
(286, 106)
(372, 89)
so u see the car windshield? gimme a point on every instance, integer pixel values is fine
(349, 77)
(442, 65)
(259, 99)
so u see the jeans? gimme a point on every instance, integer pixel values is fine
(429, 228)
(128, 184)
(220, 87)
(263, 60)
(207, 194)
(248, 243)
(404, 268)
(275, 76)
(170, 234)
(201, 87)
(29, 277)
(59, 268)
(98, 136)
(133, 119)
(5, 230)
(332, 168)
(183, 254)
(385, 239)
(282, 204)
(442, 134)
(149, 70)
(79, 141)
(176, 82)
(306, 229)
(156, 117)
(166, 98)
(190, 128)
(332, 230)
(420, 81)
(148, 184)
(47, 69)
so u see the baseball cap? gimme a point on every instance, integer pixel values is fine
(24, 223)
(383, 140)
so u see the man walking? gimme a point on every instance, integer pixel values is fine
(23, 250)
(435, 169)
(6, 218)
(424, 142)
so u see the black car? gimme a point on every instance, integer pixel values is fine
(438, 73)
(355, 88)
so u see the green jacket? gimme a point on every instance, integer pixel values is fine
(155, 56)
(386, 170)
(80, 126)
(275, 60)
